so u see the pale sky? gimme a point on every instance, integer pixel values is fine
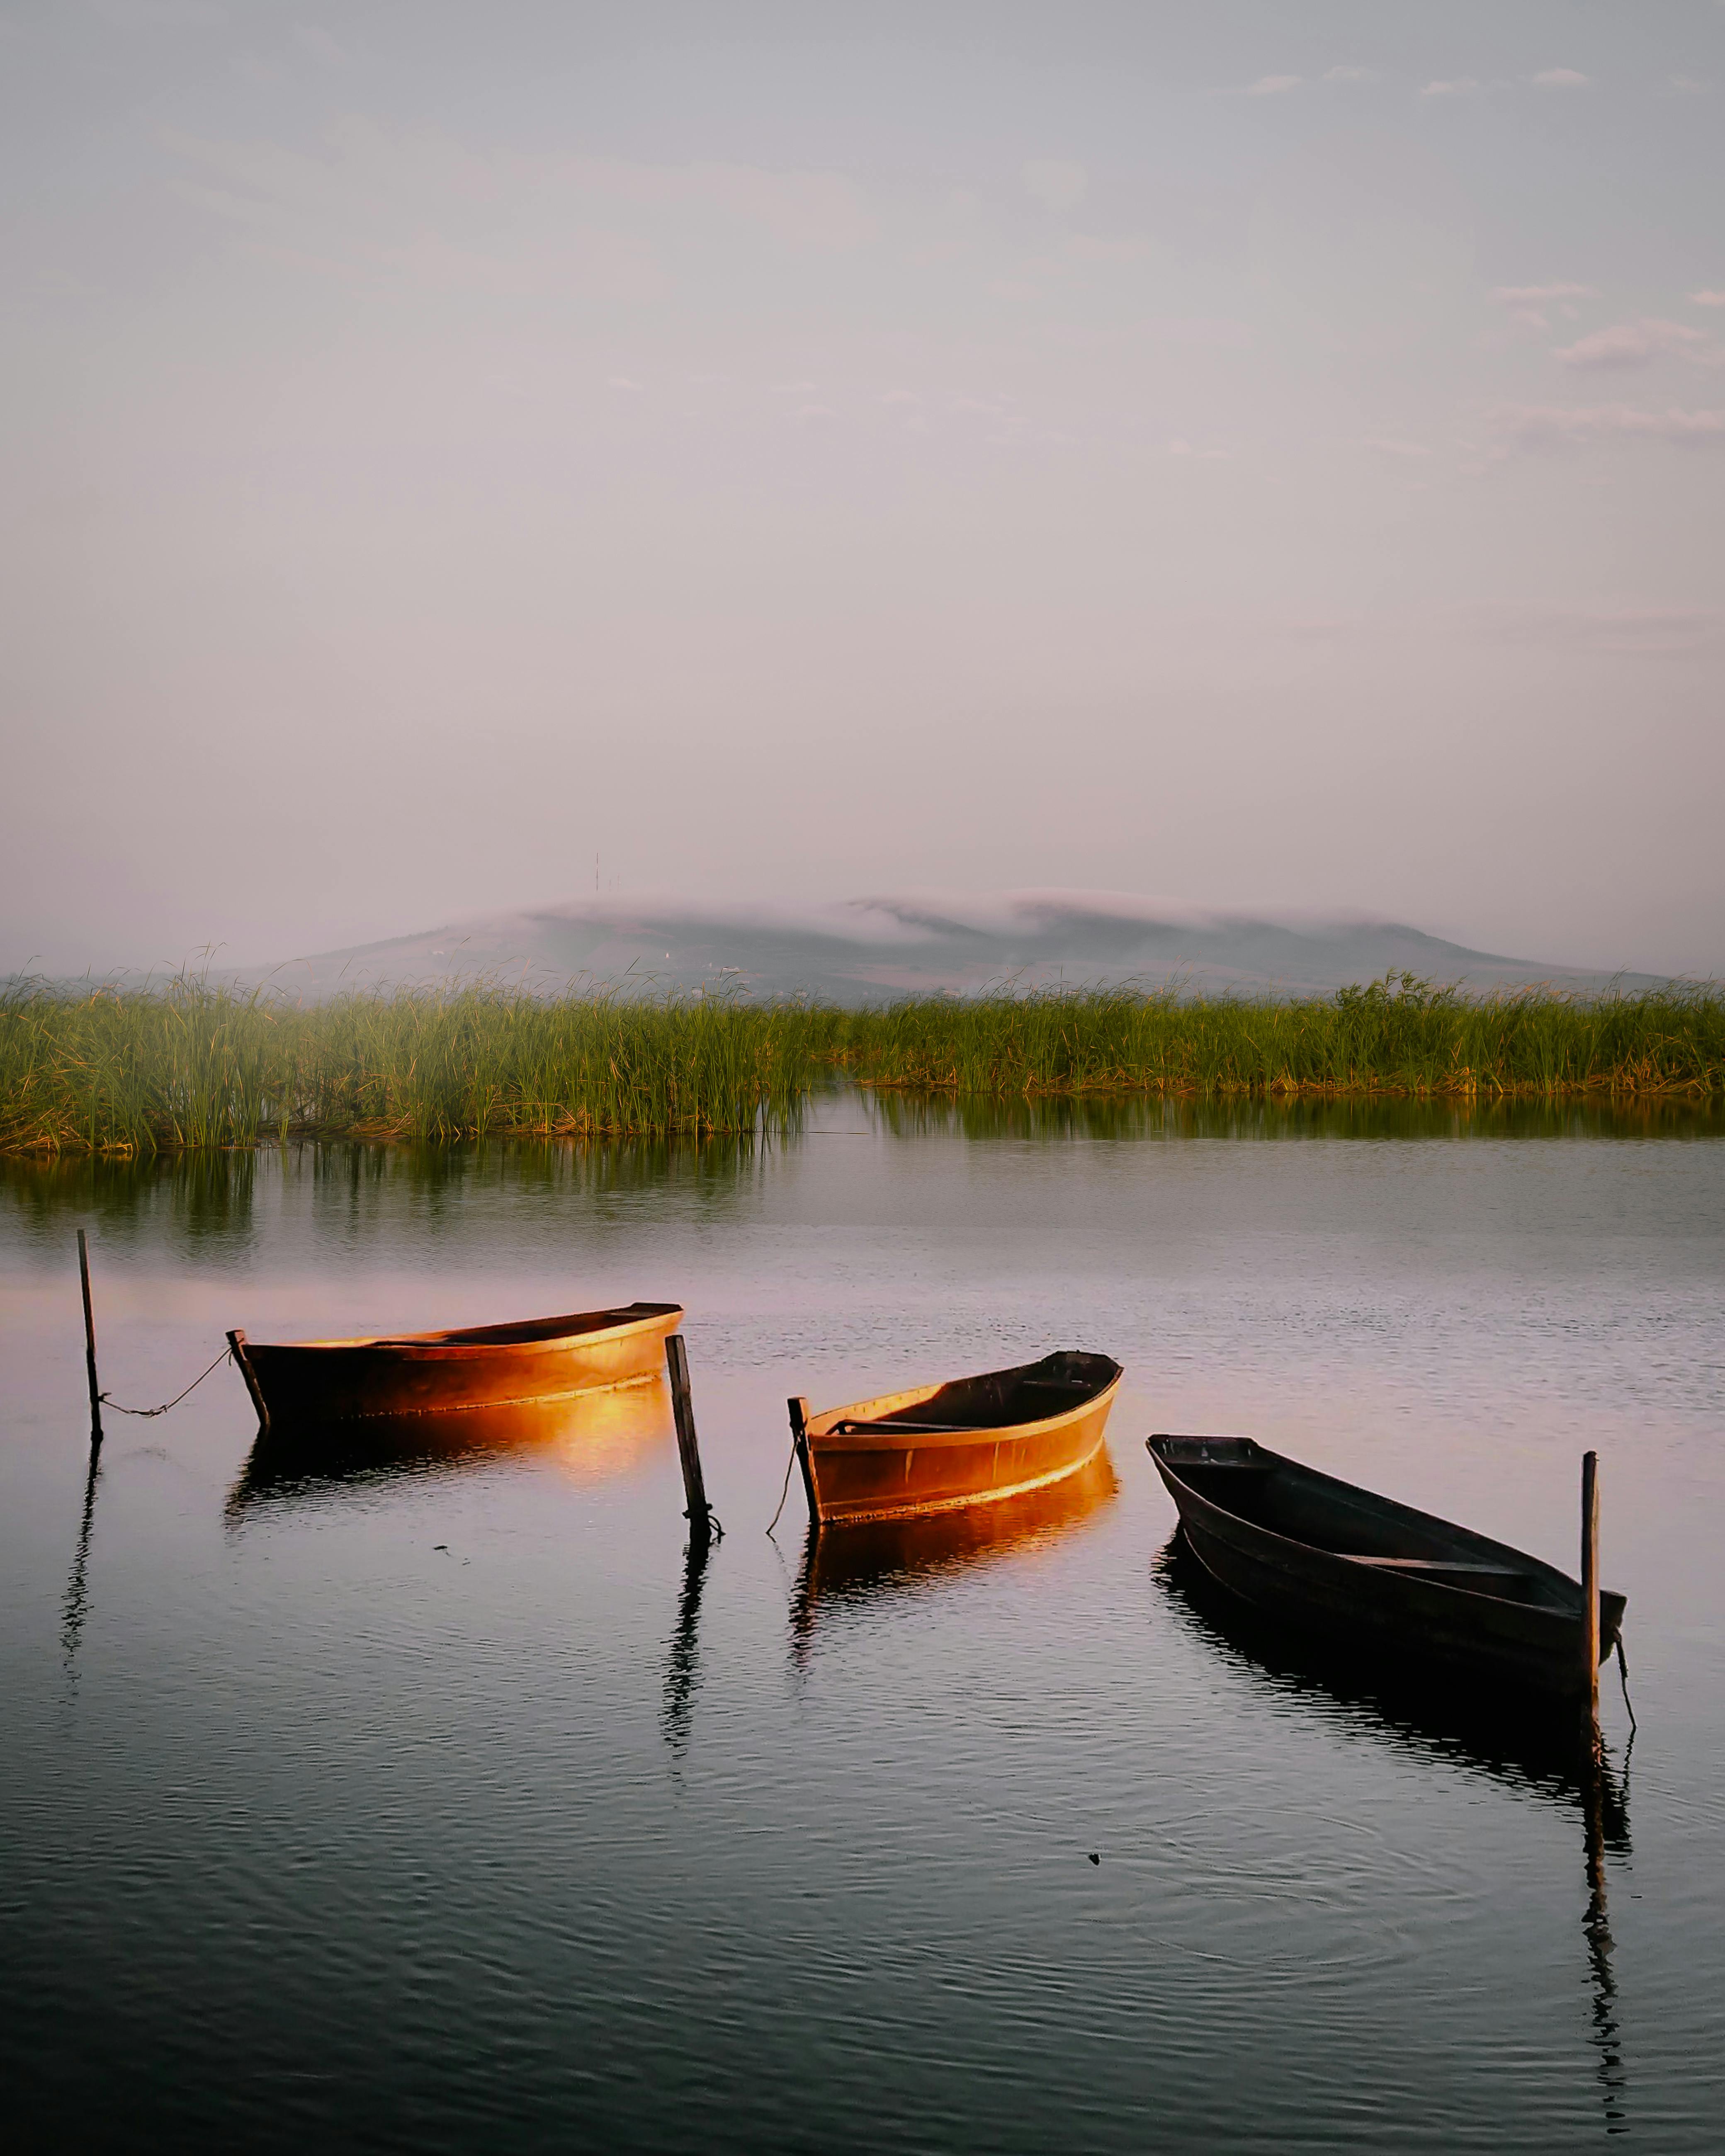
(1270, 455)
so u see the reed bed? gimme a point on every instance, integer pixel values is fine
(188, 1065)
(1396, 1037)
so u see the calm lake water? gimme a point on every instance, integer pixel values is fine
(443, 1806)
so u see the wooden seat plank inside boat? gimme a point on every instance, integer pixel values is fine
(1436, 1564)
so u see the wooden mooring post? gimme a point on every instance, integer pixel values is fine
(236, 1348)
(701, 1523)
(798, 1408)
(1590, 1590)
(90, 1361)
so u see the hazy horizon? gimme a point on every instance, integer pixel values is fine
(1271, 455)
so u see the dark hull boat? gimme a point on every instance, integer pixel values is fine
(1393, 1582)
(970, 1441)
(316, 1382)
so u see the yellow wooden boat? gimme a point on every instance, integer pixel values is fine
(314, 1382)
(969, 1441)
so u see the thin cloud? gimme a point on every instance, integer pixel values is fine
(1536, 296)
(1562, 426)
(1526, 303)
(1628, 345)
(1561, 78)
(1689, 85)
(1461, 85)
(1389, 446)
(1271, 85)
(1706, 299)
(1643, 631)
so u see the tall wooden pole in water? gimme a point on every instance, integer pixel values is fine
(700, 1516)
(89, 1362)
(1590, 1585)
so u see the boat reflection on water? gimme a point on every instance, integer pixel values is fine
(591, 1438)
(1525, 1742)
(854, 1567)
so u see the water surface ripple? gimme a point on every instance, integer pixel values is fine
(443, 1800)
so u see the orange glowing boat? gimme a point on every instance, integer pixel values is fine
(482, 1366)
(970, 1441)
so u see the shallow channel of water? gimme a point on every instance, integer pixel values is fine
(440, 1803)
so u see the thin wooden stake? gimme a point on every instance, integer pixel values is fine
(700, 1516)
(236, 1341)
(90, 1361)
(1591, 1584)
(799, 1408)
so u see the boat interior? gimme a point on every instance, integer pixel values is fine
(1033, 1392)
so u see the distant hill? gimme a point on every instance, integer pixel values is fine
(873, 950)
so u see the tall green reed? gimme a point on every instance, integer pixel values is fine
(1398, 1035)
(190, 1064)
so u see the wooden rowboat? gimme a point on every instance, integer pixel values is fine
(972, 1441)
(482, 1365)
(1334, 1558)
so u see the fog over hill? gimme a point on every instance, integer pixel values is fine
(872, 950)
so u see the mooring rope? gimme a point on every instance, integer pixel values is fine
(1623, 1672)
(108, 1399)
(786, 1491)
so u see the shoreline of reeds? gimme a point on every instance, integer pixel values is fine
(189, 1064)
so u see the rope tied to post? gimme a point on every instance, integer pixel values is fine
(1623, 1675)
(786, 1491)
(108, 1399)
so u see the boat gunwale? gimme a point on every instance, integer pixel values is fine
(456, 1343)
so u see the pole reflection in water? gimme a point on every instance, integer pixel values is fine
(593, 1438)
(849, 1569)
(682, 1661)
(1603, 1796)
(76, 1606)
(1523, 1744)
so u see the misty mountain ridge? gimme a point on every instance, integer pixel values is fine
(876, 950)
